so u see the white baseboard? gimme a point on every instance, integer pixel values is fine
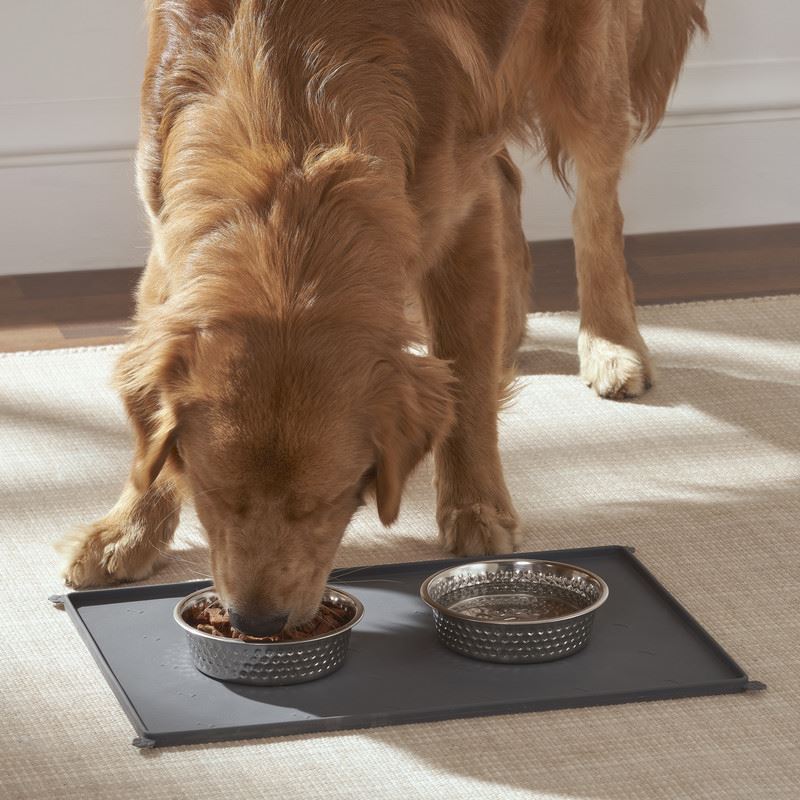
(727, 155)
(720, 87)
(59, 214)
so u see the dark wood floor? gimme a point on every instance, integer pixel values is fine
(88, 308)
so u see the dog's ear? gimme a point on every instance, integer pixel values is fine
(414, 411)
(149, 376)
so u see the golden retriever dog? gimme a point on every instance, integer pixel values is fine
(310, 167)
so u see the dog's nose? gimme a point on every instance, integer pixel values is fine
(265, 625)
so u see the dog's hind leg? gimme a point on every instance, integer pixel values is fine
(592, 75)
(593, 130)
(614, 358)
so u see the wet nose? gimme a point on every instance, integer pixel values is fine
(261, 625)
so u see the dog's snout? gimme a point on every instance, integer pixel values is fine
(258, 625)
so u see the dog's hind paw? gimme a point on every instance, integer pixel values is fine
(104, 553)
(615, 371)
(477, 529)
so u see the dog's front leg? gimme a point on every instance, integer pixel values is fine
(464, 302)
(125, 545)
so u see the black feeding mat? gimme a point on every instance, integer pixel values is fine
(644, 646)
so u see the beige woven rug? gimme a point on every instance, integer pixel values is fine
(702, 476)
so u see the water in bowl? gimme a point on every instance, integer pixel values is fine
(519, 606)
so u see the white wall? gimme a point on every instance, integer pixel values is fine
(69, 82)
(69, 75)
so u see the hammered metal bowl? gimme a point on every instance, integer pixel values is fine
(515, 611)
(269, 663)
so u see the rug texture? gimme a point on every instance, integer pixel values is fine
(702, 476)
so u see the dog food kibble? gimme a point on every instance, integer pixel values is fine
(210, 617)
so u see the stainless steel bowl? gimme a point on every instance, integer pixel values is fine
(269, 663)
(515, 611)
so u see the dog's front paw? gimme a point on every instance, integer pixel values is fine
(477, 529)
(615, 371)
(106, 552)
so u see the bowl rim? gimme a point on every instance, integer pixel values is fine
(225, 641)
(442, 609)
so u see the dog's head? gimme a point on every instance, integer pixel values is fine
(281, 429)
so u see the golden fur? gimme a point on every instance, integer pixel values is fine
(310, 166)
